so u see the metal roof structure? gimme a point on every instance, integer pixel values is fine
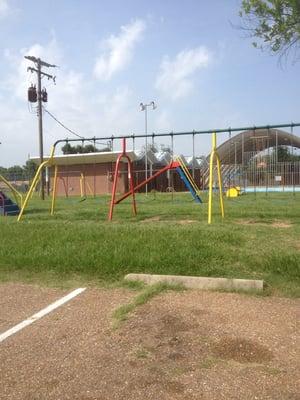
(255, 140)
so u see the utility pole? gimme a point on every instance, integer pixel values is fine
(41, 96)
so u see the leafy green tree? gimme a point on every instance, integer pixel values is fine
(16, 171)
(79, 149)
(275, 23)
(3, 171)
(68, 149)
(29, 169)
(284, 154)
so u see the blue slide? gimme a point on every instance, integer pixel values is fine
(188, 185)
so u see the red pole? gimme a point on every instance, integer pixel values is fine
(130, 169)
(113, 194)
(131, 182)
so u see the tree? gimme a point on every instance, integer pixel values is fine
(79, 149)
(29, 169)
(284, 155)
(275, 23)
(68, 149)
(16, 171)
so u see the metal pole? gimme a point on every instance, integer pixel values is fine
(171, 172)
(293, 164)
(193, 170)
(40, 117)
(268, 163)
(235, 160)
(140, 136)
(243, 161)
(229, 161)
(146, 150)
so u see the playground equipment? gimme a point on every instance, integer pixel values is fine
(130, 175)
(17, 195)
(178, 165)
(35, 180)
(7, 206)
(214, 155)
(83, 186)
(234, 191)
(172, 135)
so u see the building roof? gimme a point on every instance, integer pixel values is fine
(160, 158)
(86, 158)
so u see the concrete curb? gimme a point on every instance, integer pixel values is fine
(195, 282)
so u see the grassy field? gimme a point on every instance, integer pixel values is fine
(260, 238)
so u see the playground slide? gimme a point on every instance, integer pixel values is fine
(188, 185)
(7, 206)
(188, 180)
(17, 195)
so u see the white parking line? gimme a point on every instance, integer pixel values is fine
(40, 314)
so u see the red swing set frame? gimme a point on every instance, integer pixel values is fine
(133, 189)
(131, 183)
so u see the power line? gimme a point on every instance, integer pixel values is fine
(71, 131)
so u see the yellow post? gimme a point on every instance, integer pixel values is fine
(81, 185)
(33, 184)
(37, 182)
(220, 185)
(210, 184)
(213, 155)
(54, 190)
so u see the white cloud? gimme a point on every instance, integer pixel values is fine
(175, 78)
(163, 121)
(4, 8)
(74, 100)
(18, 84)
(118, 50)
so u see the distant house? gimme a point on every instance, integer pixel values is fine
(92, 173)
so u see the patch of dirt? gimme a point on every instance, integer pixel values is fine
(152, 219)
(186, 221)
(281, 224)
(274, 224)
(19, 301)
(297, 245)
(181, 222)
(242, 350)
(180, 346)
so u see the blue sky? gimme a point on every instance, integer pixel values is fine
(186, 56)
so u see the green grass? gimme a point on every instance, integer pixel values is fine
(78, 244)
(121, 313)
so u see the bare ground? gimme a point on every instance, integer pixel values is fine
(18, 302)
(190, 345)
(273, 224)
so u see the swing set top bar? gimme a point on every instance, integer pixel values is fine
(152, 135)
